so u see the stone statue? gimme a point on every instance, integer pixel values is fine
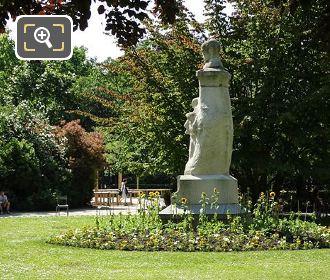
(210, 124)
(191, 127)
(210, 127)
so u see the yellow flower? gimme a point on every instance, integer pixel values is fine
(215, 190)
(262, 195)
(157, 193)
(184, 201)
(142, 194)
(151, 194)
(272, 195)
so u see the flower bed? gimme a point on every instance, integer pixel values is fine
(263, 230)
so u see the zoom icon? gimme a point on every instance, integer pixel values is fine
(39, 36)
(44, 37)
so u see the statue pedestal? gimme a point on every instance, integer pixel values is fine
(191, 187)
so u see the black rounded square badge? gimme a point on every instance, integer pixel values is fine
(44, 37)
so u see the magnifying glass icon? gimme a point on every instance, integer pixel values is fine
(41, 35)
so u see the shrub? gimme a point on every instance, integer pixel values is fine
(32, 158)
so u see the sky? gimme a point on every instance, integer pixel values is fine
(102, 46)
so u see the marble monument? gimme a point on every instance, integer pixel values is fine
(210, 126)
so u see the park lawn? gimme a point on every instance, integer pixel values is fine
(26, 255)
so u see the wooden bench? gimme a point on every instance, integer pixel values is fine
(106, 197)
(109, 197)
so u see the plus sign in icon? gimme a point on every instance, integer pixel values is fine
(44, 37)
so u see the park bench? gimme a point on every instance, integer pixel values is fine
(104, 199)
(110, 197)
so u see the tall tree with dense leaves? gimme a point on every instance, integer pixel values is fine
(279, 92)
(148, 136)
(50, 84)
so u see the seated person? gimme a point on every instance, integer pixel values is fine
(4, 203)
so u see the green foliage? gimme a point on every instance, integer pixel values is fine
(46, 83)
(49, 83)
(32, 158)
(148, 135)
(99, 96)
(36, 161)
(8, 61)
(279, 93)
(123, 18)
(66, 90)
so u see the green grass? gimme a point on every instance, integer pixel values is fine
(26, 255)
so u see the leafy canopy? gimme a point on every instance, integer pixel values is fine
(123, 17)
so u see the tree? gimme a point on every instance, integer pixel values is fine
(100, 95)
(85, 151)
(33, 167)
(8, 61)
(34, 160)
(320, 30)
(123, 17)
(148, 135)
(279, 93)
(50, 84)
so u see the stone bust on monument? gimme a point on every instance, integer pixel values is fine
(210, 127)
(211, 50)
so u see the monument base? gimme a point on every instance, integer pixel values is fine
(191, 187)
(195, 209)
